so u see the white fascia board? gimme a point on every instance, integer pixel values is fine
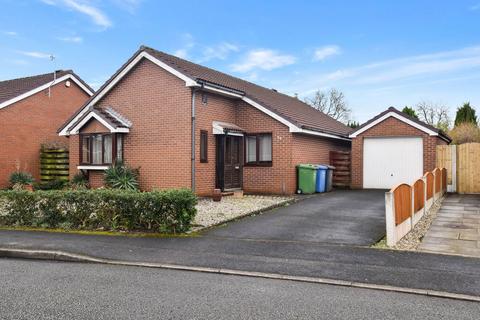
(45, 87)
(321, 134)
(92, 114)
(188, 82)
(396, 116)
(88, 167)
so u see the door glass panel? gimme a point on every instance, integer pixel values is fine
(228, 151)
(236, 150)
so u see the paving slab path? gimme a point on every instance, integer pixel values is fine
(456, 228)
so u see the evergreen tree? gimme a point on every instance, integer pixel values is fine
(410, 111)
(465, 114)
(353, 124)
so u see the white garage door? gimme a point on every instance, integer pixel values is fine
(390, 161)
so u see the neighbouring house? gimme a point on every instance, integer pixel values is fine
(186, 125)
(393, 148)
(31, 110)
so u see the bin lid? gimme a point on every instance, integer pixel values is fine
(306, 166)
(331, 167)
(321, 166)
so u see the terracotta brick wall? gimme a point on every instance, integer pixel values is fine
(159, 142)
(25, 125)
(217, 108)
(276, 179)
(392, 127)
(158, 104)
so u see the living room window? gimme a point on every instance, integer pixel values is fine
(100, 148)
(258, 149)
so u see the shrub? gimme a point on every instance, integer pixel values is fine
(79, 182)
(465, 133)
(105, 209)
(120, 176)
(51, 185)
(19, 178)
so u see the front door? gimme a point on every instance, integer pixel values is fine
(229, 162)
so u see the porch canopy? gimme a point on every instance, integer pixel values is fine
(227, 128)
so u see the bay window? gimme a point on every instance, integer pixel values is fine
(258, 149)
(100, 148)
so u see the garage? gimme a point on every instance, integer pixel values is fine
(390, 161)
(393, 148)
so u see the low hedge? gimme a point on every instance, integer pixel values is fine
(169, 211)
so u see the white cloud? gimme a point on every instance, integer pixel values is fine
(10, 33)
(84, 7)
(181, 53)
(325, 52)
(219, 51)
(75, 39)
(264, 59)
(35, 54)
(475, 7)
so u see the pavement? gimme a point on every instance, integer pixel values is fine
(301, 254)
(52, 290)
(355, 217)
(456, 228)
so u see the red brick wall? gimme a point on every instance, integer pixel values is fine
(25, 125)
(276, 179)
(159, 106)
(392, 127)
(218, 108)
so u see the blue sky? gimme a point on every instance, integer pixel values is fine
(379, 53)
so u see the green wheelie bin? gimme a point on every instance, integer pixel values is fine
(307, 176)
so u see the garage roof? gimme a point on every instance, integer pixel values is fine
(414, 122)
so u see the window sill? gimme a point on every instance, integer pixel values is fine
(258, 165)
(92, 167)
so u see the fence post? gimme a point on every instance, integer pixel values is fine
(390, 218)
(424, 178)
(412, 205)
(453, 188)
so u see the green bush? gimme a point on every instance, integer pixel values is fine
(169, 211)
(79, 182)
(21, 178)
(51, 185)
(120, 176)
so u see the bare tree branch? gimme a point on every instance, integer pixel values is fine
(331, 103)
(434, 114)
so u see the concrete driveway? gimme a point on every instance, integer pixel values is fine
(355, 217)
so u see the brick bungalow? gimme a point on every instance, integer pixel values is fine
(185, 125)
(393, 148)
(31, 110)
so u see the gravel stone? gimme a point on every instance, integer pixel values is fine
(210, 213)
(413, 239)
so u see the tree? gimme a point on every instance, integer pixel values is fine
(410, 111)
(434, 114)
(331, 103)
(465, 114)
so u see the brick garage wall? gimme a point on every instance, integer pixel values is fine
(392, 127)
(25, 125)
(158, 105)
(217, 108)
(308, 149)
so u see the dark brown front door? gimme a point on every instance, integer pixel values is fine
(229, 162)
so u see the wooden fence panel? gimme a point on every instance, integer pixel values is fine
(341, 160)
(402, 196)
(444, 179)
(468, 163)
(438, 179)
(444, 160)
(418, 195)
(429, 177)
